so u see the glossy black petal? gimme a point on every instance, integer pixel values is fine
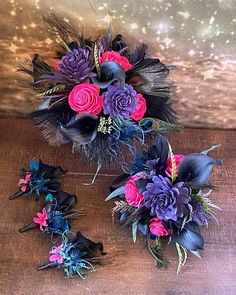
(110, 71)
(160, 150)
(81, 129)
(86, 247)
(189, 237)
(195, 169)
(65, 201)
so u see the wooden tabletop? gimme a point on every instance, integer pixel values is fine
(132, 270)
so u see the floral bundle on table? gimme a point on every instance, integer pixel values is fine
(166, 195)
(101, 95)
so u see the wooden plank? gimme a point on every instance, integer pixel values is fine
(132, 270)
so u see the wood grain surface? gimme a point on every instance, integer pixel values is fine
(133, 270)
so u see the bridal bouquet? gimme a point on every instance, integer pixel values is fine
(101, 95)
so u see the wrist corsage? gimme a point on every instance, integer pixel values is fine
(166, 196)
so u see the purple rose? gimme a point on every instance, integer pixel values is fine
(120, 102)
(166, 200)
(77, 65)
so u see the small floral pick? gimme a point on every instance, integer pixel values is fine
(41, 219)
(57, 215)
(78, 256)
(40, 179)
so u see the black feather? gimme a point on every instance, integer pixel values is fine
(65, 201)
(160, 108)
(36, 68)
(104, 41)
(67, 32)
(103, 150)
(119, 45)
(149, 77)
(138, 54)
(58, 114)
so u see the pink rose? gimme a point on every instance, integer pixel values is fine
(115, 56)
(157, 228)
(141, 108)
(56, 65)
(84, 98)
(132, 195)
(178, 159)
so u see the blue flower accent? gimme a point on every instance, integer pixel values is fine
(49, 198)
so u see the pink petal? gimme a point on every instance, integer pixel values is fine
(27, 178)
(36, 220)
(45, 214)
(53, 258)
(23, 188)
(44, 223)
(22, 181)
(40, 215)
(60, 259)
(52, 251)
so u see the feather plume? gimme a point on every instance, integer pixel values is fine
(149, 77)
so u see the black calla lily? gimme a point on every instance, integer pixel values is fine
(189, 237)
(110, 72)
(81, 129)
(195, 169)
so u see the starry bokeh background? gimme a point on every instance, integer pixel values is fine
(198, 37)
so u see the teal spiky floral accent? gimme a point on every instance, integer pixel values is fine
(126, 130)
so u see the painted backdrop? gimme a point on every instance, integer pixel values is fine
(197, 36)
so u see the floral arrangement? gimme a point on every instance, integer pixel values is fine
(76, 254)
(166, 196)
(101, 95)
